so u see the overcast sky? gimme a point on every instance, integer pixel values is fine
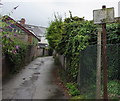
(40, 12)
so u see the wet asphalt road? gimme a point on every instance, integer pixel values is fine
(34, 82)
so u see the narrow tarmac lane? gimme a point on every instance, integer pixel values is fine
(34, 82)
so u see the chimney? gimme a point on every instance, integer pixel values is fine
(22, 21)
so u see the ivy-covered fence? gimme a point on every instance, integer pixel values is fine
(76, 35)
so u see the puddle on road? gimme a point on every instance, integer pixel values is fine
(39, 64)
(35, 67)
(37, 73)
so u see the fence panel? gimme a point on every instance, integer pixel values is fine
(88, 68)
(88, 71)
(113, 63)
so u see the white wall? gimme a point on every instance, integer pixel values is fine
(44, 40)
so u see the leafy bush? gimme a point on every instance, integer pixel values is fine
(69, 37)
(113, 33)
(72, 89)
(15, 54)
(12, 47)
(54, 32)
(113, 88)
(78, 33)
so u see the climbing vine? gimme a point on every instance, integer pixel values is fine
(75, 36)
(78, 34)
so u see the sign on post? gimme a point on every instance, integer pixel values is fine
(102, 16)
(105, 15)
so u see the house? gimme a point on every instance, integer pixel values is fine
(39, 31)
(34, 35)
(21, 32)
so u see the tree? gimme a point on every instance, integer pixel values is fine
(54, 32)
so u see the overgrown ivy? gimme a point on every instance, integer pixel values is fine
(113, 33)
(75, 34)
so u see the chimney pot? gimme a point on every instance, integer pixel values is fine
(22, 21)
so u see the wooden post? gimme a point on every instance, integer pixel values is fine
(104, 60)
(98, 75)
